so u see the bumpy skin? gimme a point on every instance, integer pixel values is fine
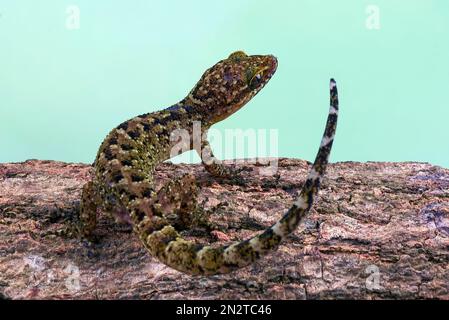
(126, 160)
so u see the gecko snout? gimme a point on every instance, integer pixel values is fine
(274, 62)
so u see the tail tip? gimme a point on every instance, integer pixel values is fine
(332, 84)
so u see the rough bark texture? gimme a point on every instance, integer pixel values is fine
(376, 231)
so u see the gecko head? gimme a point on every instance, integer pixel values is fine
(231, 83)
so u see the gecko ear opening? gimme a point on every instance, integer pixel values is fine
(237, 55)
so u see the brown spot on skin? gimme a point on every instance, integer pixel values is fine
(127, 162)
(246, 252)
(134, 134)
(108, 154)
(126, 147)
(175, 116)
(118, 177)
(132, 196)
(123, 126)
(137, 178)
(147, 193)
(139, 214)
(146, 127)
(143, 116)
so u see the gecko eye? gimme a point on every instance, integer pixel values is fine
(255, 80)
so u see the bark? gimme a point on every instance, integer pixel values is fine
(376, 231)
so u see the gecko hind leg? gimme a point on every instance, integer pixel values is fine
(90, 203)
(84, 221)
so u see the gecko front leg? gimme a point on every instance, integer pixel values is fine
(215, 167)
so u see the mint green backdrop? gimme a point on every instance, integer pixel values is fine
(62, 90)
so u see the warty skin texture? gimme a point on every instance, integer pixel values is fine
(123, 182)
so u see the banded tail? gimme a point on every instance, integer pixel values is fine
(189, 257)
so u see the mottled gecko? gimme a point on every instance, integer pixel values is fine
(124, 184)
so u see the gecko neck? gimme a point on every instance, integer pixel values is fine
(193, 112)
(207, 114)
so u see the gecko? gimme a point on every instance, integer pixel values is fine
(123, 180)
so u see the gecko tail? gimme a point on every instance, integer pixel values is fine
(191, 258)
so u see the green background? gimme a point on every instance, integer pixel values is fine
(62, 90)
